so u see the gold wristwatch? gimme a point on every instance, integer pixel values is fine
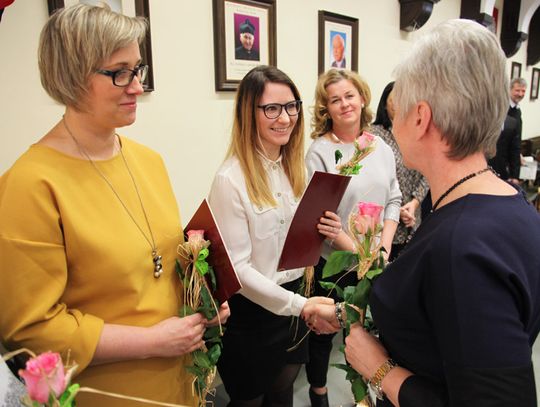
(376, 380)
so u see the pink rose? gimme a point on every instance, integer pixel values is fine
(365, 140)
(44, 374)
(362, 223)
(195, 233)
(370, 213)
(195, 236)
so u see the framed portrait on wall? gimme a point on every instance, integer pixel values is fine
(535, 81)
(130, 8)
(338, 41)
(244, 37)
(516, 70)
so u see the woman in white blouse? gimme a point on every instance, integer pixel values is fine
(254, 196)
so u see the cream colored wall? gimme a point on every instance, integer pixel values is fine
(185, 119)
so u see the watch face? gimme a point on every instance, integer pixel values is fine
(377, 391)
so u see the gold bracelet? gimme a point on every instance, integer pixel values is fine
(375, 383)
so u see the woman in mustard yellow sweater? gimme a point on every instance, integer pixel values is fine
(89, 224)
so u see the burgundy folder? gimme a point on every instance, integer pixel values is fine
(303, 243)
(226, 278)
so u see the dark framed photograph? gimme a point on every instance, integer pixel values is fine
(535, 81)
(130, 8)
(338, 41)
(516, 70)
(244, 37)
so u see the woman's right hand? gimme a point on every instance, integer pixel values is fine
(319, 314)
(177, 336)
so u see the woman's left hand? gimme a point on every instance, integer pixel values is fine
(224, 313)
(364, 352)
(330, 225)
(408, 212)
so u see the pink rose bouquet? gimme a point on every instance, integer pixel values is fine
(367, 261)
(44, 377)
(199, 282)
(47, 382)
(364, 145)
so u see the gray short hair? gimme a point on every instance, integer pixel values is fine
(73, 44)
(459, 69)
(519, 81)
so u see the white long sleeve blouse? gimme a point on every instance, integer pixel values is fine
(255, 234)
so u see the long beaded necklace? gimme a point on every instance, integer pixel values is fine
(156, 258)
(457, 184)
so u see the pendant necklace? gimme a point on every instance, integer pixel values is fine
(156, 258)
(457, 184)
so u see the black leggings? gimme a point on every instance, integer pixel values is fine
(280, 394)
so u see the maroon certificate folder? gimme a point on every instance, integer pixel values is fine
(226, 278)
(302, 246)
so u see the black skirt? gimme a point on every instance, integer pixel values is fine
(255, 346)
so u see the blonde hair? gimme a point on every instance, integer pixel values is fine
(244, 141)
(73, 44)
(321, 121)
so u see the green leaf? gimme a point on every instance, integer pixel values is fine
(341, 366)
(67, 399)
(373, 273)
(355, 170)
(207, 307)
(179, 270)
(201, 266)
(195, 370)
(332, 286)
(186, 310)
(359, 389)
(215, 339)
(200, 359)
(338, 155)
(360, 297)
(211, 332)
(203, 254)
(348, 294)
(214, 353)
(212, 275)
(337, 262)
(352, 375)
(353, 315)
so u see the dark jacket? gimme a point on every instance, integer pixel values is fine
(507, 160)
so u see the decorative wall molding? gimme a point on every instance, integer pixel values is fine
(478, 10)
(415, 13)
(533, 44)
(517, 16)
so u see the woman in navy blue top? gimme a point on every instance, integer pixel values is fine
(459, 310)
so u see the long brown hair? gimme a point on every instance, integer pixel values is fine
(245, 142)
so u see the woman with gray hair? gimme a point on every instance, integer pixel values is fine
(90, 226)
(459, 310)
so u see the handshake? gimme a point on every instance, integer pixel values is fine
(321, 315)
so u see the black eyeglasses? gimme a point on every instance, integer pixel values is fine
(123, 77)
(273, 110)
